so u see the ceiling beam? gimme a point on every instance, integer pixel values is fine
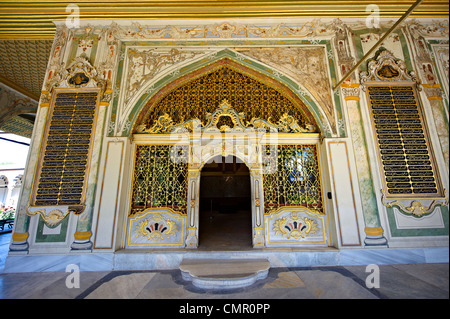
(18, 88)
(33, 19)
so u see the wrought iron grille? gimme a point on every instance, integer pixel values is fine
(294, 179)
(160, 178)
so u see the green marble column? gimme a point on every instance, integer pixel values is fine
(373, 229)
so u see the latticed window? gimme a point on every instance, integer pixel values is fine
(160, 178)
(293, 179)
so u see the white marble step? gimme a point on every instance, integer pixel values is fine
(224, 273)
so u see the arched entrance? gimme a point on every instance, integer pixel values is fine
(225, 109)
(225, 205)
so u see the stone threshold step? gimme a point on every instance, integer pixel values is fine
(224, 273)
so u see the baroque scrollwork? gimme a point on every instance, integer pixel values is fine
(308, 65)
(226, 119)
(145, 64)
(156, 228)
(53, 216)
(137, 31)
(415, 207)
(385, 67)
(80, 73)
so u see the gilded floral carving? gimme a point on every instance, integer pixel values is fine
(146, 64)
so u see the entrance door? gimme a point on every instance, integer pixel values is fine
(225, 205)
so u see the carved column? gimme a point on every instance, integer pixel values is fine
(434, 96)
(192, 221)
(193, 208)
(257, 208)
(20, 236)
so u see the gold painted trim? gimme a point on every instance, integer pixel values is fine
(82, 236)
(17, 237)
(351, 98)
(432, 86)
(373, 231)
(350, 85)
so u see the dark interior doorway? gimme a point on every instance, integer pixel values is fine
(225, 221)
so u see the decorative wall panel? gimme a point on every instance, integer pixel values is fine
(402, 142)
(295, 226)
(156, 227)
(65, 158)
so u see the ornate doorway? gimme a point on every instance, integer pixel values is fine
(226, 110)
(225, 205)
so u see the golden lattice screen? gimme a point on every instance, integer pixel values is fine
(200, 96)
(293, 179)
(159, 178)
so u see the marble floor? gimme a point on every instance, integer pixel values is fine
(399, 281)
(415, 281)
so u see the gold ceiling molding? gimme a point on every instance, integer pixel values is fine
(33, 19)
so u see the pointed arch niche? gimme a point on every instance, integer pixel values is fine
(220, 109)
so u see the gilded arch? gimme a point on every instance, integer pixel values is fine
(155, 89)
(198, 95)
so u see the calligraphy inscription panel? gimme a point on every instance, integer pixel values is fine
(66, 154)
(403, 145)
